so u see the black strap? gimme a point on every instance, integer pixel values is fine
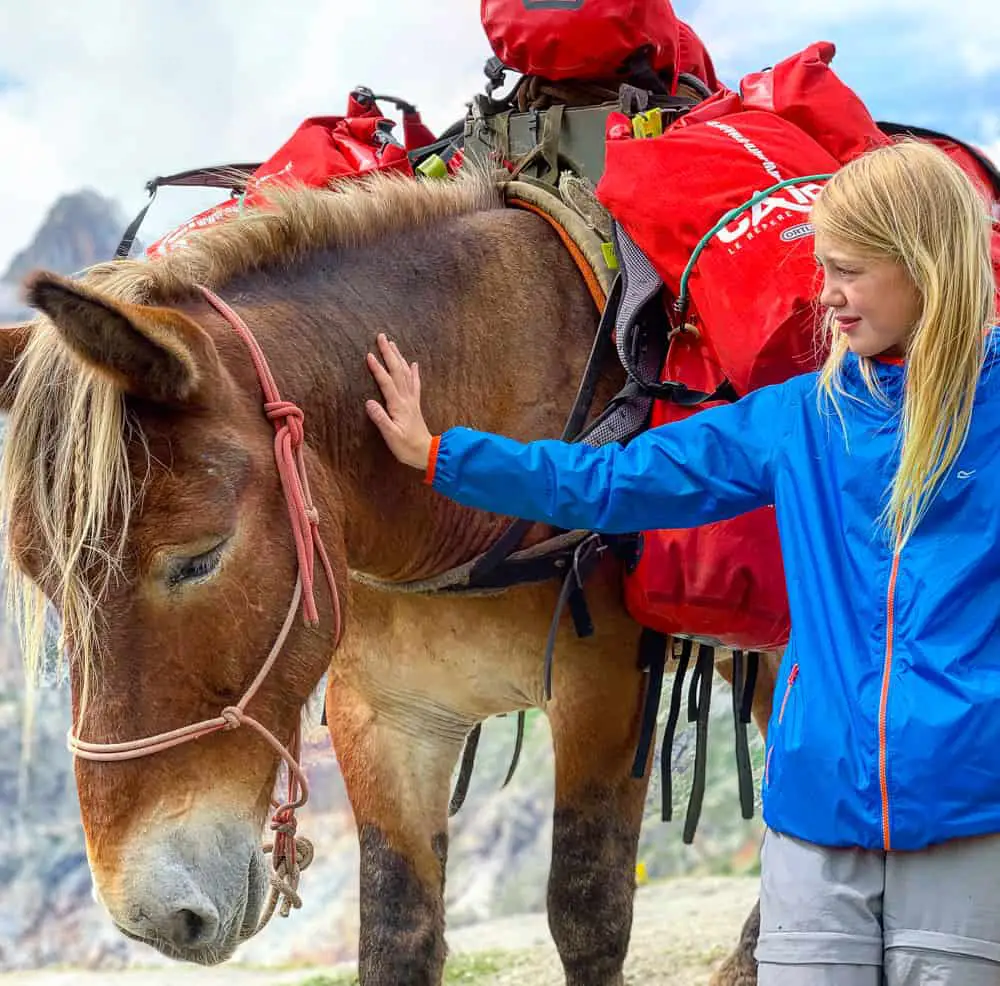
(644, 333)
(599, 350)
(670, 731)
(465, 771)
(693, 82)
(464, 781)
(699, 708)
(744, 769)
(228, 176)
(579, 612)
(445, 148)
(518, 746)
(585, 557)
(684, 396)
(496, 74)
(652, 660)
(365, 97)
(128, 237)
(753, 665)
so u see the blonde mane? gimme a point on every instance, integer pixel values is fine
(65, 467)
(296, 222)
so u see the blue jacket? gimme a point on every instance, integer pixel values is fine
(885, 732)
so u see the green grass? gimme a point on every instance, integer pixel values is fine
(462, 969)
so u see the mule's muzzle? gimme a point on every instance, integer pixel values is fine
(191, 904)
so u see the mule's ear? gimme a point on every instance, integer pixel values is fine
(13, 339)
(152, 352)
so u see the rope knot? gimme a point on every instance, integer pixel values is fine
(286, 826)
(233, 717)
(291, 416)
(304, 852)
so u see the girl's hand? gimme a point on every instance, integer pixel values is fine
(401, 421)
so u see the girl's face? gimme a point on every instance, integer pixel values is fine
(874, 302)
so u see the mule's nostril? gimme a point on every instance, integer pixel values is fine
(190, 928)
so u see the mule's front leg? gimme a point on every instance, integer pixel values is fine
(598, 811)
(397, 773)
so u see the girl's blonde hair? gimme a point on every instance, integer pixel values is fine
(910, 203)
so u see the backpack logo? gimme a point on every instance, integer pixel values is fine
(792, 202)
(797, 232)
(552, 4)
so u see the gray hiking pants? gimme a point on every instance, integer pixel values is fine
(851, 917)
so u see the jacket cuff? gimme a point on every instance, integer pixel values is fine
(432, 456)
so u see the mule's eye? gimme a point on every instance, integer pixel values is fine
(196, 569)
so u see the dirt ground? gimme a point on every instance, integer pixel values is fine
(683, 929)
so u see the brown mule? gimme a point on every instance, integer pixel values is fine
(141, 498)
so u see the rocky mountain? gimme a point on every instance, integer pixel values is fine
(80, 229)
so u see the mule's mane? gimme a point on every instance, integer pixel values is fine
(65, 469)
(296, 223)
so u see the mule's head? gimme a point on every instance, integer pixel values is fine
(142, 501)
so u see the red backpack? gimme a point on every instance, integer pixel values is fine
(321, 150)
(747, 278)
(580, 39)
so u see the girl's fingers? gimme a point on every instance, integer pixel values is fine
(388, 356)
(385, 382)
(402, 366)
(389, 352)
(381, 419)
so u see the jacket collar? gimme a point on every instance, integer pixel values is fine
(891, 374)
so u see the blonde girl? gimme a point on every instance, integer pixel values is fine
(881, 795)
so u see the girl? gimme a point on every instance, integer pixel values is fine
(881, 793)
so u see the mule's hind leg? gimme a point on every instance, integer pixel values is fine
(594, 716)
(740, 968)
(397, 776)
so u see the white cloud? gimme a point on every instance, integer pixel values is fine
(30, 177)
(113, 92)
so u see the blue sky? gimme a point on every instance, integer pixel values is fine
(109, 93)
(919, 66)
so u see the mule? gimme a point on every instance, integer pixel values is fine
(142, 500)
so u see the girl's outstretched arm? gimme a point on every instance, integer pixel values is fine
(708, 467)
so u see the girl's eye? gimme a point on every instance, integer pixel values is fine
(845, 271)
(195, 569)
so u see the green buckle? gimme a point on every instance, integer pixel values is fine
(432, 166)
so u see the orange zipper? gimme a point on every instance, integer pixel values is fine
(883, 764)
(792, 675)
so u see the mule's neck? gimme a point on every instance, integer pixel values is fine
(499, 319)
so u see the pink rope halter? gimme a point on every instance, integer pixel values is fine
(289, 855)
